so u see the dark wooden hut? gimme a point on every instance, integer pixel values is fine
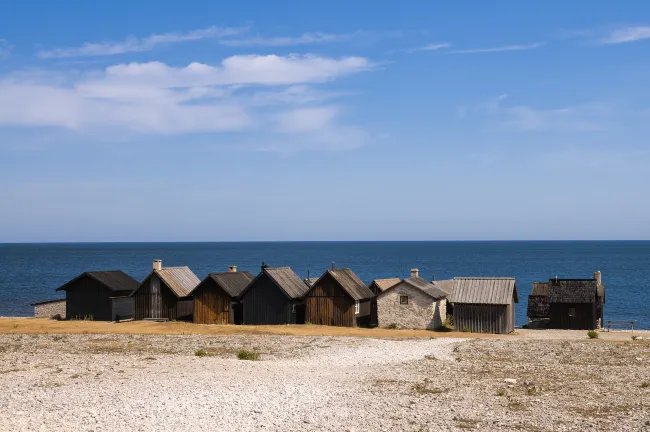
(378, 286)
(576, 303)
(484, 305)
(338, 298)
(216, 297)
(538, 305)
(99, 296)
(165, 294)
(274, 297)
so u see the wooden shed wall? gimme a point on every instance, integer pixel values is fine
(89, 299)
(479, 318)
(584, 319)
(211, 304)
(328, 304)
(265, 303)
(155, 300)
(122, 308)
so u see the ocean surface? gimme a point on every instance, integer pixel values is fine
(31, 272)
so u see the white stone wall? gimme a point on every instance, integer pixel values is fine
(48, 310)
(421, 312)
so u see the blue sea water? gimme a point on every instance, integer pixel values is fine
(31, 272)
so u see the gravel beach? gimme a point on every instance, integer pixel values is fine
(113, 382)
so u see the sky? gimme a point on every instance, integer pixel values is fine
(292, 120)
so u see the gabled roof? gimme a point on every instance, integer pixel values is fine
(436, 290)
(573, 290)
(310, 281)
(48, 302)
(180, 280)
(114, 280)
(285, 279)
(350, 282)
(484, 290)
(540, 289)
(233, 283)
(384, 284)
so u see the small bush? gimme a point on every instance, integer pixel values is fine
(466, 330)
(592, 334)
(248, 355)
(201, 353)
(391, 326)
(645, 384)
(501, 392)
(307, 322)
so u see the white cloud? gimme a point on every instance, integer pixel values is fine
(277, 41)
(627, 34)
(134, 44)
(271, 95)
(501, 48)
(5, 48)
(432, 47)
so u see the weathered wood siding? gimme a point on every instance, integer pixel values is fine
(122, 308)
(328, 304)
(155, 300)
(265, 303)
(212, 304)
(87, 298)
(480, 318)
(584, 319)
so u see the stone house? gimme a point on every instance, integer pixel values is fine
(49, 309)
(414, 303)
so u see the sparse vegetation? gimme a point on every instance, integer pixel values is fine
(248, 355)
(15, 325)
(201, 353)
(307, 322)
(501, 392)
(592, 334)
(391, 326)
(446, 326)
(645, 384)
(467, 330)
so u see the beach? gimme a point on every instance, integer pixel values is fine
(147, 376)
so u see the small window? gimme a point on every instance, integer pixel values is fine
(403, 299)
(572, 312)
(293, 308)
(356, 307)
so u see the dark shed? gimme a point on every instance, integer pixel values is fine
(94, 295)
(274, 297)
(164, 294)
(338, 298)
(576, 303)
(484, 305)
(215, 298)
(538, 305)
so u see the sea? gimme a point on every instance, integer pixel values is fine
(31, 273)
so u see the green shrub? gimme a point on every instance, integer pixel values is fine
(248, 355)
(467, 330)
(501, 392)
(592, 334)
(201, 353)
(307, 322)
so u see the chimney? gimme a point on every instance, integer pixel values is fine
(598, 277)
(157, 264)
(232, 269)
(433, 278)
(264, 265)
(332, 265)
(415, 273)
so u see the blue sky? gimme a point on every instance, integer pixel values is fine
(208, 121)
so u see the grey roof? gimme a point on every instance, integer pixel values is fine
(181, 280)
(233, 283)
(573, 290)
(484, 290)
(350, 282)
(310, 281)
(48, 301)
(437, 291)
(287, 280)
(384, 284)
(540, 289)
(114, 280)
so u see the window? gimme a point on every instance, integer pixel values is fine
(572, 312)
(356, 307)
(293, 308)
(403, 299)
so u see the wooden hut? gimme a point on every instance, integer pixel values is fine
(274, 297)
(378, 286)
(99, 296)
(338, 298)
(538, 305)
(484, 305)
(576, 303)
(216, 297)
(164, 294)
(414, 303)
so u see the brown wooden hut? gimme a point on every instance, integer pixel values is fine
(378, 286)
(164, 294)
(338, 298)
(99, 296)
(216, 297)
(576, 304)
(274, 297)
(484, 305)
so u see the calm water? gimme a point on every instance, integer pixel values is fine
(31, 272)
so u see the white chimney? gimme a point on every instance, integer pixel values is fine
(157, 264)
(598, 277)
(415, 273)
(232, 269)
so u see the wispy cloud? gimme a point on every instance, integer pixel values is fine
(134, 44)
(626, 34)
(432, 47)
(277, 41)
(501, 48)
(5, 48)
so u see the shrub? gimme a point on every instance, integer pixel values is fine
(201, 353)
(592, 334)
(248, 355)
(645, 384)
(466, 330)
(501, 392)
(307, 322)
